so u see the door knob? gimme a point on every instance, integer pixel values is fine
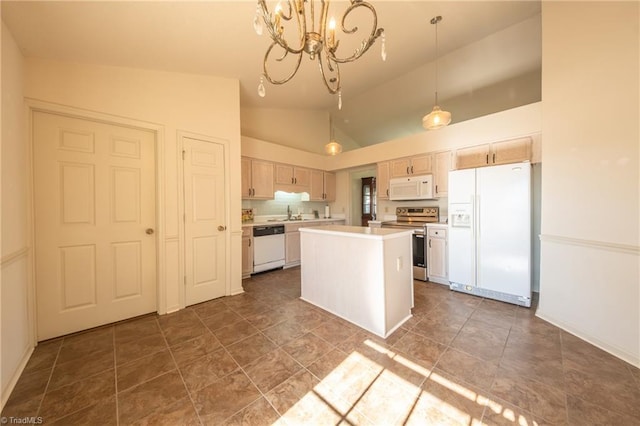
(221, 228)
(149, 231)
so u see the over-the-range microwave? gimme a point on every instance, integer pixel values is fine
(411, 188)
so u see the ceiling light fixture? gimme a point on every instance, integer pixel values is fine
(333, 147)
(318, 41)
(437, 118)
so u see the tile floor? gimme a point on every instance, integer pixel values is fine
(265, 357)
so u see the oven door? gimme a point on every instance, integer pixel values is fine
(419, 256)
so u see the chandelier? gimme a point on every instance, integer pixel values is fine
(437, 118)
(313, 37)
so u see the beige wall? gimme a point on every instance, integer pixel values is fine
(513, 123)
(298, 129)
(16, 326)
(174, 102)
(590, 269)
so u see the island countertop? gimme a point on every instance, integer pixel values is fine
(358, 231)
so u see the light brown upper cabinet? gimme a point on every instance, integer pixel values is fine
(442, 166)
(257, 179)
(323, 186)
(411, 166)
(382, 181)
(511, 151)
(291, 178)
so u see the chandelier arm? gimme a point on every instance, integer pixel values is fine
(266, 68)
(323, 22)
(367, 43)
(331, 81)
(272, 27)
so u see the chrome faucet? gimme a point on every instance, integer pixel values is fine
(288, 213)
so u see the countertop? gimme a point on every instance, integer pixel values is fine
(437, 224)
(285, 221)
(358, 231)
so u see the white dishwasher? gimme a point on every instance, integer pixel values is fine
(268, 247)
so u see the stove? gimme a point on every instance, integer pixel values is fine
(416, 218)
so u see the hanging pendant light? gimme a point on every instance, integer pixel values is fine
(333, 147)
(437, 118)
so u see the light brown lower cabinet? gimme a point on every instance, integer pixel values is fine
(247, 251)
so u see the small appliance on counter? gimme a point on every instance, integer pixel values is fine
(327, 212)
(247, 215)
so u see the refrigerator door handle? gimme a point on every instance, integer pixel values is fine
(476, 231)
(473, 217)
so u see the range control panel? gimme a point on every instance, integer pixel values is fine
(422, 214)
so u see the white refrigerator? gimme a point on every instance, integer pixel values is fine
(490, 232)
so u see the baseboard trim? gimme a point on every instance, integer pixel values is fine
(633, 359)
(16, 376)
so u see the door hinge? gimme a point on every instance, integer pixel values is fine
(184, 153)
(185, 280)
(184, 217)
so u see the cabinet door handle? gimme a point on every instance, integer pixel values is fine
(487, 158)
(494, 157)
(249, 242)
(407, 169)
(429, 243)
(249, 192)
(411, 169)
(436, 189)
(387, 192)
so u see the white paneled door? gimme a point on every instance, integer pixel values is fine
(205, 224)
(94, 204)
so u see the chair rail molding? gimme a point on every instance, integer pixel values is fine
(601, 245)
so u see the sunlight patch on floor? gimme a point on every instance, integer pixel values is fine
(359, 390)
(510, 415)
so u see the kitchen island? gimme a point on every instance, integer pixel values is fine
(361, 274)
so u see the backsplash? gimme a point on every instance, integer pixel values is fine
(298, 202)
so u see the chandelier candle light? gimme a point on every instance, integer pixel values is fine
(317, 39)
(437, 118)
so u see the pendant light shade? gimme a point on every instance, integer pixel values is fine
(333, 148)
(437, 118)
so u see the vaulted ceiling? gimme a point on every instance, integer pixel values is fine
(489, 55)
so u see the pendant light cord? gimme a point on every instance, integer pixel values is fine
(437, 57)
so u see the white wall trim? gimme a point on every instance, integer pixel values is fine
(6, 393)
(601, 245)
(572, 329)
(11, 257)
(36, 105)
